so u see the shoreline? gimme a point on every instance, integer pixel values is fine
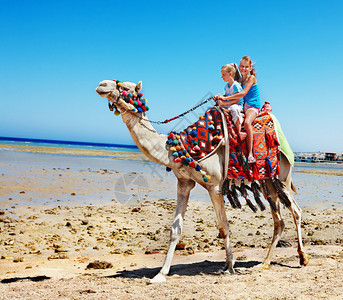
(74, 151)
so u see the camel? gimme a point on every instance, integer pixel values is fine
(153, 145)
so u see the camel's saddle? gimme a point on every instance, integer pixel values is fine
(204, 137)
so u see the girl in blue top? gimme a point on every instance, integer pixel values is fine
(230, 74)
(252, 101)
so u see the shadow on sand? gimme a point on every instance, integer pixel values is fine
(199, 268)
(34, 279)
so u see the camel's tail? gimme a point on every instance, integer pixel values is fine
(294, 188)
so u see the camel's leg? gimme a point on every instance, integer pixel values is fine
(296, 212)
(183, 190)
(279, 226)
(223, 226)
(286, 178)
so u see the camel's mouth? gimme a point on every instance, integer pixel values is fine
(103, 92)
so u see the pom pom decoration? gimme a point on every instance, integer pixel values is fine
(135, 99)
(193, 133)
(175, 154)
(181, 155)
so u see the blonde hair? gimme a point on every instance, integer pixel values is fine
(232, 68)
(248, 59)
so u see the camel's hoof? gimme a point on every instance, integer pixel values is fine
(304, 259)
(158, 278)
(228, 270)
(264, 266)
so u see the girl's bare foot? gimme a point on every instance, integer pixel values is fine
(243, 135)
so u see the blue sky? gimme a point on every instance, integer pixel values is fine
(54, 54)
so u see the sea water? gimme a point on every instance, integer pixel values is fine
(67, 144)
(324, 190)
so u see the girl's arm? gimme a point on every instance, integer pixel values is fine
(223, 101)
(241, 94)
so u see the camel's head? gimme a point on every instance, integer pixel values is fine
(115, 92)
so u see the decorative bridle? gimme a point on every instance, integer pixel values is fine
(138, 105)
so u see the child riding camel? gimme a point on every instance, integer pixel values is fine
(230, 74)
(252, 102)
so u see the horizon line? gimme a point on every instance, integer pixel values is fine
(2, 138)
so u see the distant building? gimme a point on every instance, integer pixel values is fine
(330, 156)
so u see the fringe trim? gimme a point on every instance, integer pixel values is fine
(267, 194)
(279, 186)
(256, 190)
(234, 195)
(244, 194)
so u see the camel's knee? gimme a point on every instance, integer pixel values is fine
(223, 232)
(282, 225)
(176, 229)
(175, 234)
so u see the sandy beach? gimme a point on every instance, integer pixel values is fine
(62, 209)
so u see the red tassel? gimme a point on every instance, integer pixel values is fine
(249, 176)
(233, 142)
(276, 142)
(255, 172)
(269, 140)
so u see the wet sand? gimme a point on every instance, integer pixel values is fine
(60, 212)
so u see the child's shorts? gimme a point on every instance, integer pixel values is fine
(236, 112)
(247, 107)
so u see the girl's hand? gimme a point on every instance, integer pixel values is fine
(219, 97)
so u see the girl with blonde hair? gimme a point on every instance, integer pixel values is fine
(231, 75)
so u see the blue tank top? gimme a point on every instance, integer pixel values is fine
(252, 98)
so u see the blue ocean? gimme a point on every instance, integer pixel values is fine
(68, 144)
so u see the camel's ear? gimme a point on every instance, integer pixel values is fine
(138, 87)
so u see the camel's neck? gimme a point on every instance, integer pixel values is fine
(148, 140)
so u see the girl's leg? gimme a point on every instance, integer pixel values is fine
(236, 113)
(250, 116)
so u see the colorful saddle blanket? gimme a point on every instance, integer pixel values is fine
(204, 136)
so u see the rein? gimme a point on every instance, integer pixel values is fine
(139, 105)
